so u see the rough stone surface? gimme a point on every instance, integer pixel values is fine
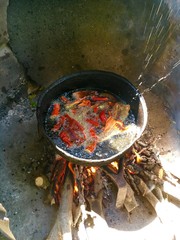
(3, 21)
(109, 35)
(22, 159)
(11, 74)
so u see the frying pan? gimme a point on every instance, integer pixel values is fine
(96, 79)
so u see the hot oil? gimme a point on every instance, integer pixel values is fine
(115, 141)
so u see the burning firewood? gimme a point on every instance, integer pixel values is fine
(63, 223)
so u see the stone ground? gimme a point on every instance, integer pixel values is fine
(23, 155)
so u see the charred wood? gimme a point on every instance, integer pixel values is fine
(63, 223)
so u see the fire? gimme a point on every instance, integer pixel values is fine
(138, 157)
(114, 166)
(76, 190)
(91, 171)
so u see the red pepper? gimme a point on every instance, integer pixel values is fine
(73, 124)
(85, 103)
(95, 109)
(94, 98)
(92, 122)
(56, 110)
(93, 133)
(102, 116)
(91, 147)
(59, 124)
(120, 125)
(65, 138)
(64, 99)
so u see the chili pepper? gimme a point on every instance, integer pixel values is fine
(92, 122)
(73, 132)
(56, 110)
(93, 133)
(73, 123)
(91, 147)
(59, 124)
(95, 109)
(102, 116)
(64, 99)
(82, 94)
(94, 98)
(65, 138)
(120, 125)
(109, 124)
(85, 103)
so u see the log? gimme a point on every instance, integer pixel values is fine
(121, 184)
(5, 228)
(152, 199)
(4, 224)
(42, 182)
(172, 190)
(130, 202)
(61, 229)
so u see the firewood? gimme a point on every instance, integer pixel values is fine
(172, 190)
(42, 182)
(5, 228)
(152, 199)
(121, 196)
(121, 184)
(63, 223)
(158, 193)
(2, 211)
(96, 203)
(130, 202)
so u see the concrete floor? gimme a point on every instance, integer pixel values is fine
(23, 155)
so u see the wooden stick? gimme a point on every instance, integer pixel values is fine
(63, 223)
(5, 228)
(152, 199)
(172, 190)
(130, 202)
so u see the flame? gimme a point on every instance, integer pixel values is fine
(76, 190)
(114, 166)
(138, 157)
(93, 169)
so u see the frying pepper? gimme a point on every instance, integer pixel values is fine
(93, 133)
(56, 110)
(94, 98)
(92, 122)
(59, 124)
(65, 138)
(91, 147)
(85, 103)
(64, 99)
(102, 116)
(95, 109)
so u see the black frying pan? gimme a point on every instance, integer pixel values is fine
(93, 79)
